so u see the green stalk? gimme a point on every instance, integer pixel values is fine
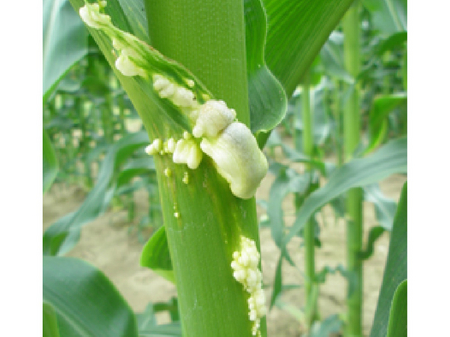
(311, 313)
(351, 27)
(338, 118)
(203, 219)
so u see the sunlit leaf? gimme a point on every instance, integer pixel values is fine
(297, 31)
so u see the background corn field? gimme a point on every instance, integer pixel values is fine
(109, 183)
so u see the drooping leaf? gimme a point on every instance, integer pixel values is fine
(396, 268)
(61, 236)
(297, 31)
(50, 321)
(389, 159)
(398, 316)
(156, 255)
(50, 162)
(267, 99)
(65, 42)
(85, 299)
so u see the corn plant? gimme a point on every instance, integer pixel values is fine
(196, 73)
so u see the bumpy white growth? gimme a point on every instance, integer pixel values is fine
(187, 152)
(230, 144)
(90, 14)
(245, 271)
(238, 159)
(212, 118)
(126, 65)
(171, 144)
(128, 54)
(179, 96)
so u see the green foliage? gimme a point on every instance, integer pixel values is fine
(64, 233)
(84, 300)
(388, 160)
(392, 298)
(156, 255)
(65, 42)
(296, 32)
(50, 322)
(398, 314)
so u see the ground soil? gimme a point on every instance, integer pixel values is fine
(108, 244)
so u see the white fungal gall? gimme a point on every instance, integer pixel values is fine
(155, 147)
(183, 98)
(238, 159)
(246, 272)
(127, 67)
(178, 95)
(171, 144)
(212, 118)
(187, 152)
(90, 14)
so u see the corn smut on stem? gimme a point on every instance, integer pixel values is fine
(208, 205)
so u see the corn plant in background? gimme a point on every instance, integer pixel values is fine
(348, 111)
(196, 74)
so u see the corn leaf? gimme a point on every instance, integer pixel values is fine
(85, 300)
(61, 236)
(398, 315)
(297, 31)
(267, 99)
(50, 321)
(156, 255)
(394, 274)
(389, 159)
(65, 42)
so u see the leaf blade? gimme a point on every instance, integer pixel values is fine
(388, 160)
(86, 299)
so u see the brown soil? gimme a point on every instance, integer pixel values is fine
(108, 244)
